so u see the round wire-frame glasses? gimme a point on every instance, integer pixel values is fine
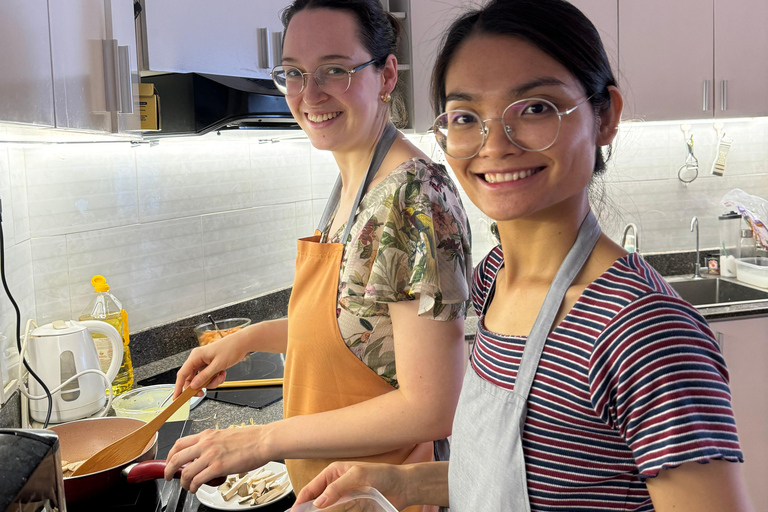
(531, 124)
(330, 78)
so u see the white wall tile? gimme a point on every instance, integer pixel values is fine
(190, 177)
(6, 195)
(19, 194)
(155, 269)
(18, 268)
(306, 222)
(51, 272)
(248, 252)
(280, 172)
(74, 188)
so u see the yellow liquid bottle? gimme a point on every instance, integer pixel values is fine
(105, 307)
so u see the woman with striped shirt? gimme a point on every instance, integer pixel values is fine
(591, 386)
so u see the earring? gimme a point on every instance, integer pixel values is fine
(386, 98)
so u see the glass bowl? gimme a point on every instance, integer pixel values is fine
(144, 403)
(206, 333)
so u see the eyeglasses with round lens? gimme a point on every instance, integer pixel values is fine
(531, 124)
(330, 78)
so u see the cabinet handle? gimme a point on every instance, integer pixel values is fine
(262, 45)
(705, 103)
(124, 74)
(277, 47)
(724, 95)
(111, 83)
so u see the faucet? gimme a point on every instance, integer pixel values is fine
(635, 233)
(697, 266)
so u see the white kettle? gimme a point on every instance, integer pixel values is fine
(64, 349)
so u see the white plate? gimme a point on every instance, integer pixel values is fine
(211, 497)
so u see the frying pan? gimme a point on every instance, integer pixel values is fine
(80, 439)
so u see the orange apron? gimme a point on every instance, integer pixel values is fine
(321, 373)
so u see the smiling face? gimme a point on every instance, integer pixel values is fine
(488, 73)
(335, 122)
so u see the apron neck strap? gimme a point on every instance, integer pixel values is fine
(589, 232)
(382, 148)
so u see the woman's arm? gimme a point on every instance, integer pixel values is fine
(692, 487)
(430, 358)
(207, 365)
(403, 486)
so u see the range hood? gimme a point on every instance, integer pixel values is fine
(196, 103)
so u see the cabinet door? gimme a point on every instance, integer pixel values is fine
(665, 58)
(604, 14)
(745, 347)
(741, 58)
(233, 37)
(78, 30)
(121, 32)
(26, 87)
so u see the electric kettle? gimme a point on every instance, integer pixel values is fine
(64, 349)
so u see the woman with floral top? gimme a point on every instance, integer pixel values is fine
(375, 328)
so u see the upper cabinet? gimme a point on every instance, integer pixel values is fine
(73, 66)
(240, 38)
(604, 15)
(694, 59)
(95, 70)
(26, 90)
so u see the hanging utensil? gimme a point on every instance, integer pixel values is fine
(689, 171)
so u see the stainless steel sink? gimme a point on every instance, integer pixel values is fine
(715, 291)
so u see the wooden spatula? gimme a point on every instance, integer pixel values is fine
(129, 447)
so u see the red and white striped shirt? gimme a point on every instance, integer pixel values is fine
(629, 383)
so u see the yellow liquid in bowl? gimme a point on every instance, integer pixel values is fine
(144, 404)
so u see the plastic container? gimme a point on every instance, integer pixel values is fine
(144, 403)
(106, 308)
(730, 231)
(206, 333)
(753, 271)
(367, 498)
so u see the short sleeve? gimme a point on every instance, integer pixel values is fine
(658, 377)
(424, 246)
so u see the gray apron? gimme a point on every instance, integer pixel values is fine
(487, 468)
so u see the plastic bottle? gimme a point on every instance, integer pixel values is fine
(747, 247)
(105, 307)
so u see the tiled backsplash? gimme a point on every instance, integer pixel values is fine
(195, 223)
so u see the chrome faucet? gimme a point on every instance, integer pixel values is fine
(635, 233)
(697, 266)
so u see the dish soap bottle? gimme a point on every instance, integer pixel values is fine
(105, 307)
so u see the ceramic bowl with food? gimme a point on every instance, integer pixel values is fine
(145, 403)
(207, 333)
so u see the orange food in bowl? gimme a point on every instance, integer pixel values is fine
(206, 337)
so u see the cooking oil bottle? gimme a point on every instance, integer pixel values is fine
(105, 307)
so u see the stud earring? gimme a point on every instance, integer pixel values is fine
(386, 98)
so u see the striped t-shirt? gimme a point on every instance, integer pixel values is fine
(629, 383)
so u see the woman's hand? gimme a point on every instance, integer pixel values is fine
(342, 477)
(206, 366)
(213, 453)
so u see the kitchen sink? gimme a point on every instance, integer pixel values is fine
(715, 291)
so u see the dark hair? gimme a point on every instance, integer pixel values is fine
(554, 26)
(379, 31)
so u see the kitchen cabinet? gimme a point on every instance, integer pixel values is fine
(95, 69)
(744, 343)
(73, 65)
(26, 84)
(694, 59)
(234, 38)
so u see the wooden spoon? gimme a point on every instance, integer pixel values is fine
(127, 448)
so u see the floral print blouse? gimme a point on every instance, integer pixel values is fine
(410, 236)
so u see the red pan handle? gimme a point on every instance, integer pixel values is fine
(155, 469)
